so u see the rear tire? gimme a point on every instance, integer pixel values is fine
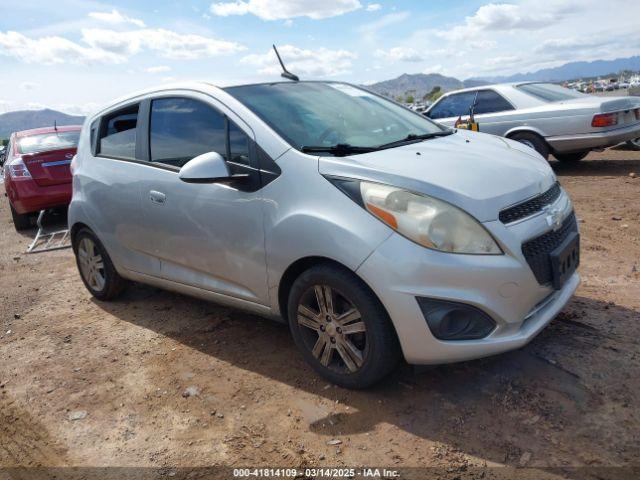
(634, 144)
(534, 141)
(341, 327)
(571, 157)
(96, 269)
(21, 221)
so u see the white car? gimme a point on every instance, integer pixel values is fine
(547, 117)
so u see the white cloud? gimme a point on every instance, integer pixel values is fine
(284, 9)
(51, 50)
(369, 30)
(433, 69)
(373, 7)
(158, 69)
(110, 46)
(320, 62)
(116, 17)
(402, 54)
(29, 86)
(165, 43)
(496, 17)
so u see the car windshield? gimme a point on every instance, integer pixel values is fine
(314, 114)
(48, 141)
(549, 92)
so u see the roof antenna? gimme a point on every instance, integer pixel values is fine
(55, 125)
(285, 73)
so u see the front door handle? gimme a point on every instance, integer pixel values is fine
(156, 197)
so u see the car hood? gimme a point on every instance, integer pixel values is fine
(480, 173)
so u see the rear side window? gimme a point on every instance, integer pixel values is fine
(183, 128)
(453, 106)
(491, 102)
(549, 92)
(118, 137)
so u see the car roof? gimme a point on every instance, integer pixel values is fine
(38, 131)
(202, 86)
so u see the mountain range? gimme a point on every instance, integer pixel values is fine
(572, 71)
(420, 84)
(25, 119)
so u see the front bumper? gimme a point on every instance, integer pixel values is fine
(588, 141)
(503, 286)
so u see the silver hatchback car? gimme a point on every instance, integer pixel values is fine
(373, 231)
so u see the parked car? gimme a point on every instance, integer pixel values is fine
(370, 229)
(36, 171)
(552, 119)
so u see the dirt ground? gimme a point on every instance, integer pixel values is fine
(93, 384)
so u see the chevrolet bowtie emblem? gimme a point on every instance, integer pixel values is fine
(554, 217)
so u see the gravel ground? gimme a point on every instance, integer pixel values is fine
(161, 380)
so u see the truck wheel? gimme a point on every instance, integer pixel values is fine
(96, 269)
(534, 141)
(571, 157)
(21, 221)
(341, 327)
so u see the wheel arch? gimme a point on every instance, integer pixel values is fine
(301, 265)
(75, 228)
(526, 129)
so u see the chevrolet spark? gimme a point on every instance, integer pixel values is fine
(372, 231)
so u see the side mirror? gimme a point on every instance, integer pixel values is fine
(209, 167)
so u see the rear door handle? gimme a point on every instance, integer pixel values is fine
(156, 197)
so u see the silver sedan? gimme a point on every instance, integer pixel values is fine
(552, 119)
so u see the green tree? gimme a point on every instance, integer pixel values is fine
(435, 93)
(410, 99)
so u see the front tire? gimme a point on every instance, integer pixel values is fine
(341, 327)
(571, 157)
(534, 141)
(21, 221)
(96, 269)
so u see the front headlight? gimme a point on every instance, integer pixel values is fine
(427, 221)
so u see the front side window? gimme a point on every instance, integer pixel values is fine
(490, 102)
(238, 145)
(182, 128)
(47, 142)
(326, 114)
(118, 137)
(455, 105)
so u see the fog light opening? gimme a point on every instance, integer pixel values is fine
(455, 321)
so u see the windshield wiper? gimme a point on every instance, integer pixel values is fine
(339, 150)
(413, 138)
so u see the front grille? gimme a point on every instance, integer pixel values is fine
(537, 251)
(531, 206)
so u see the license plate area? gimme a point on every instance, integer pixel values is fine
(565, 259)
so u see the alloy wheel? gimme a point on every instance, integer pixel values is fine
(333, 329)
(91, 264)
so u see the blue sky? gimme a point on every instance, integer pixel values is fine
(75, 55)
